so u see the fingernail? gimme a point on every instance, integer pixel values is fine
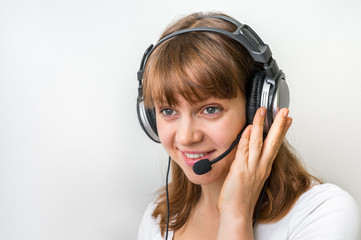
(263, 112)
(289, 122)
(285, 113)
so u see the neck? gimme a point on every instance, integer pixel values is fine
(210, 194)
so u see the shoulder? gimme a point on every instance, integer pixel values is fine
(327, 198)
(325, 212)
(149, 227)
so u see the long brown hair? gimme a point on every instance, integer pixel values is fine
(198, 65)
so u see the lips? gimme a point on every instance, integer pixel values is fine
(190, 158)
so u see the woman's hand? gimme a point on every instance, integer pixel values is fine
(248, 173)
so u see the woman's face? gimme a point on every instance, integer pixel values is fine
(206, 129)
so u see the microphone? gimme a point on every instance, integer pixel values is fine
(203, 166)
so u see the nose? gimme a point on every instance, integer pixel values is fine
(189, 132)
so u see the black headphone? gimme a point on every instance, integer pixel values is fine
(268, 87)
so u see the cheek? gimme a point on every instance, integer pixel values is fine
(164, 133)
(228, 130)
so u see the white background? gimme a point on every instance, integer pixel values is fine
(75, 164)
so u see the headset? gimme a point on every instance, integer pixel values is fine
(268, 88)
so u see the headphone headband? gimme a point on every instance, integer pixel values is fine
(259, 51)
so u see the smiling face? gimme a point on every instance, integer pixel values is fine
(197, 83)
(206, 129)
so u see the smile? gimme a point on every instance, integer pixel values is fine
(190, 158)
(194, 155)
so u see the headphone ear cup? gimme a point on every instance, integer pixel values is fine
(254, 95)
(147, 120)
(152, 120)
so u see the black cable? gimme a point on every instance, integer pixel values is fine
(166, 190)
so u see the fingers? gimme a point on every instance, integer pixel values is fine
(256, 138)
(253, 153)
(243, 149)
(275, 137)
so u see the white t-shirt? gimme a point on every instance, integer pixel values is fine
(325, 212)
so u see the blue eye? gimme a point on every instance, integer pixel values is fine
(168, 112)
(211, 110)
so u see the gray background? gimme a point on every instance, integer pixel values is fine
(74, 164)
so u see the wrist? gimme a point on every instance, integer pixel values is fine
(235, 227)
(235, 213)
(235, 219)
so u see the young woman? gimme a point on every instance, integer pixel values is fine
(201, 91)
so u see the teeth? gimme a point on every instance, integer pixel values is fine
(195, 155)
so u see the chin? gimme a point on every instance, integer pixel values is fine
(219, 172)
(205, 179)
